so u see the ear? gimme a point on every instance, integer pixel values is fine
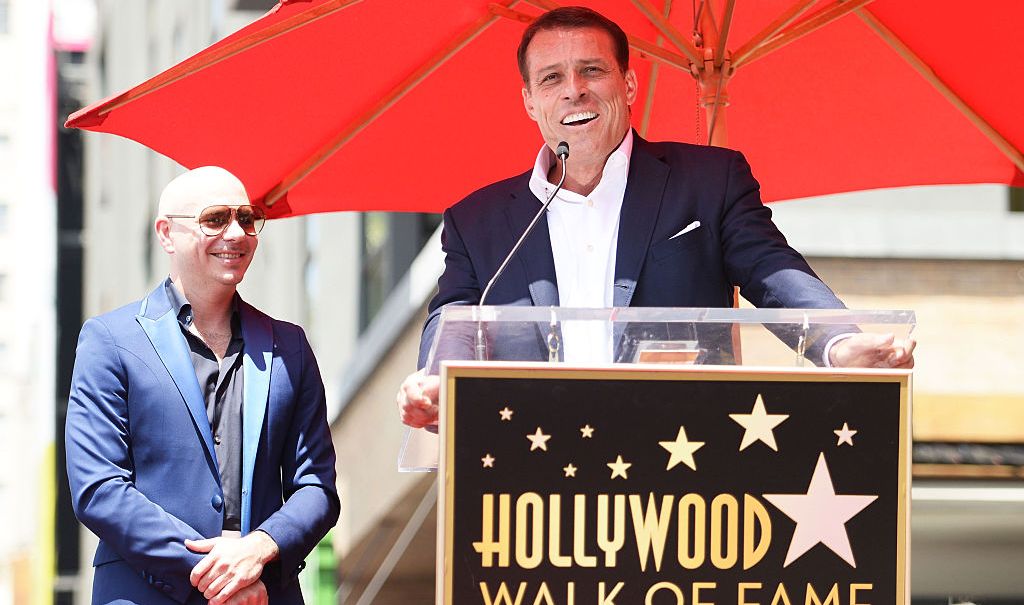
(631, 86)
(162, 225)
(528, 104)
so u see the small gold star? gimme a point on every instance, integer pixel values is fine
(570, 471)
(758, 425)
(845, 435)
(619, 467)
(488, 461)
(506, 414)
(588, 431)
(682, 450)
(538, 440)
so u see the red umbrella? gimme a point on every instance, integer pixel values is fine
(326, 105)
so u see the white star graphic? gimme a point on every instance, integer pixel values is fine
(682, 450)
(538, 440)
(820, 515)
(570, 471)
(588, 431)
(759, 424)
(506, 414)
(619, 467)
(488, 461)
(845, 435)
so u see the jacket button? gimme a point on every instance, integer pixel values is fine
(217, 502)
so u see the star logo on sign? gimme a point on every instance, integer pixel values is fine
(588, 431)
(488, 461)
(845, 435)
(619, 467)
(506, 414)
(820, 515)
(538, 440)
(759, 425)
(570, 471)
(682, 450)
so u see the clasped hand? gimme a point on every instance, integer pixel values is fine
(230, 571)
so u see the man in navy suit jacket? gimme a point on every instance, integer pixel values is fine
(199, 489)
(690, 222)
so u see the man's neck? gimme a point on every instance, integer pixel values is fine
(583, 174)
(211, 306)
(578, 179)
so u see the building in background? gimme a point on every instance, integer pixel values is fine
(359, 284)
(27, 280)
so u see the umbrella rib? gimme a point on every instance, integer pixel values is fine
(188, 67)
(783, 20)
(922, 68)
(546, 5)
(668, 30)
(707, 19)
(652, 82)
(838, 10)
(392, 97)
(724, 36)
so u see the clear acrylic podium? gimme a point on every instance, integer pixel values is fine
(592, 338)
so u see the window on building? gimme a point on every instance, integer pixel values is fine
(1016, 195)
(391, 241)
(5, 11)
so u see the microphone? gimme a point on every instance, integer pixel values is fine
(562, 153)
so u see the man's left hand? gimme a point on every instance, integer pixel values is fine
(867, 350)
(231, 564)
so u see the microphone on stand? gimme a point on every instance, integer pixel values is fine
(562, 153)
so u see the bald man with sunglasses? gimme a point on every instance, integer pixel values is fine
(197, 441)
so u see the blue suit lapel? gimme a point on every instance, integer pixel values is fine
(535, 256)
(161, 326)
(257, 332)
(640, 208)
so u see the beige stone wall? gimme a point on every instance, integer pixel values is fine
(969, 377)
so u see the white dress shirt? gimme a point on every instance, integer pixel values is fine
(584, 234)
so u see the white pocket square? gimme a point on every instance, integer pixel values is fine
(687, 229)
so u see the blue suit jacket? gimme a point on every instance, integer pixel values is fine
(670, 185)
(142, 465)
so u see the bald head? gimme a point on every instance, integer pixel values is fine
(201, 187)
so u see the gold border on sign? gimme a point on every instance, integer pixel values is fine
(452, 371)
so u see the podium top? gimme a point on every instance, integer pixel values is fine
(763, 337)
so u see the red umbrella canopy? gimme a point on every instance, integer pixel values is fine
(325, 105)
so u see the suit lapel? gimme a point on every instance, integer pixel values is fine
(640, 208)
(161, 326)
(535, 256)
(257, 332)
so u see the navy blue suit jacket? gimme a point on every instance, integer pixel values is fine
(669, 186)
(143, 469)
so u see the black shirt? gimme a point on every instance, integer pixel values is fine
(221, 384)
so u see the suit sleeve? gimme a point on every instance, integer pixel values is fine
(308, 475)
(769, 272)
(458, 285)
(101, 472)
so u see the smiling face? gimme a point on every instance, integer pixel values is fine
(205, 263)
(576, 92)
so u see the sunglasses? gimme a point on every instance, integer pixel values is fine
(213, 220)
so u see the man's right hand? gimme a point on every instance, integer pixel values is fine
(417, 399)
(253, 594)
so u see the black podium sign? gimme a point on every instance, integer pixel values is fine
(662, 487)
